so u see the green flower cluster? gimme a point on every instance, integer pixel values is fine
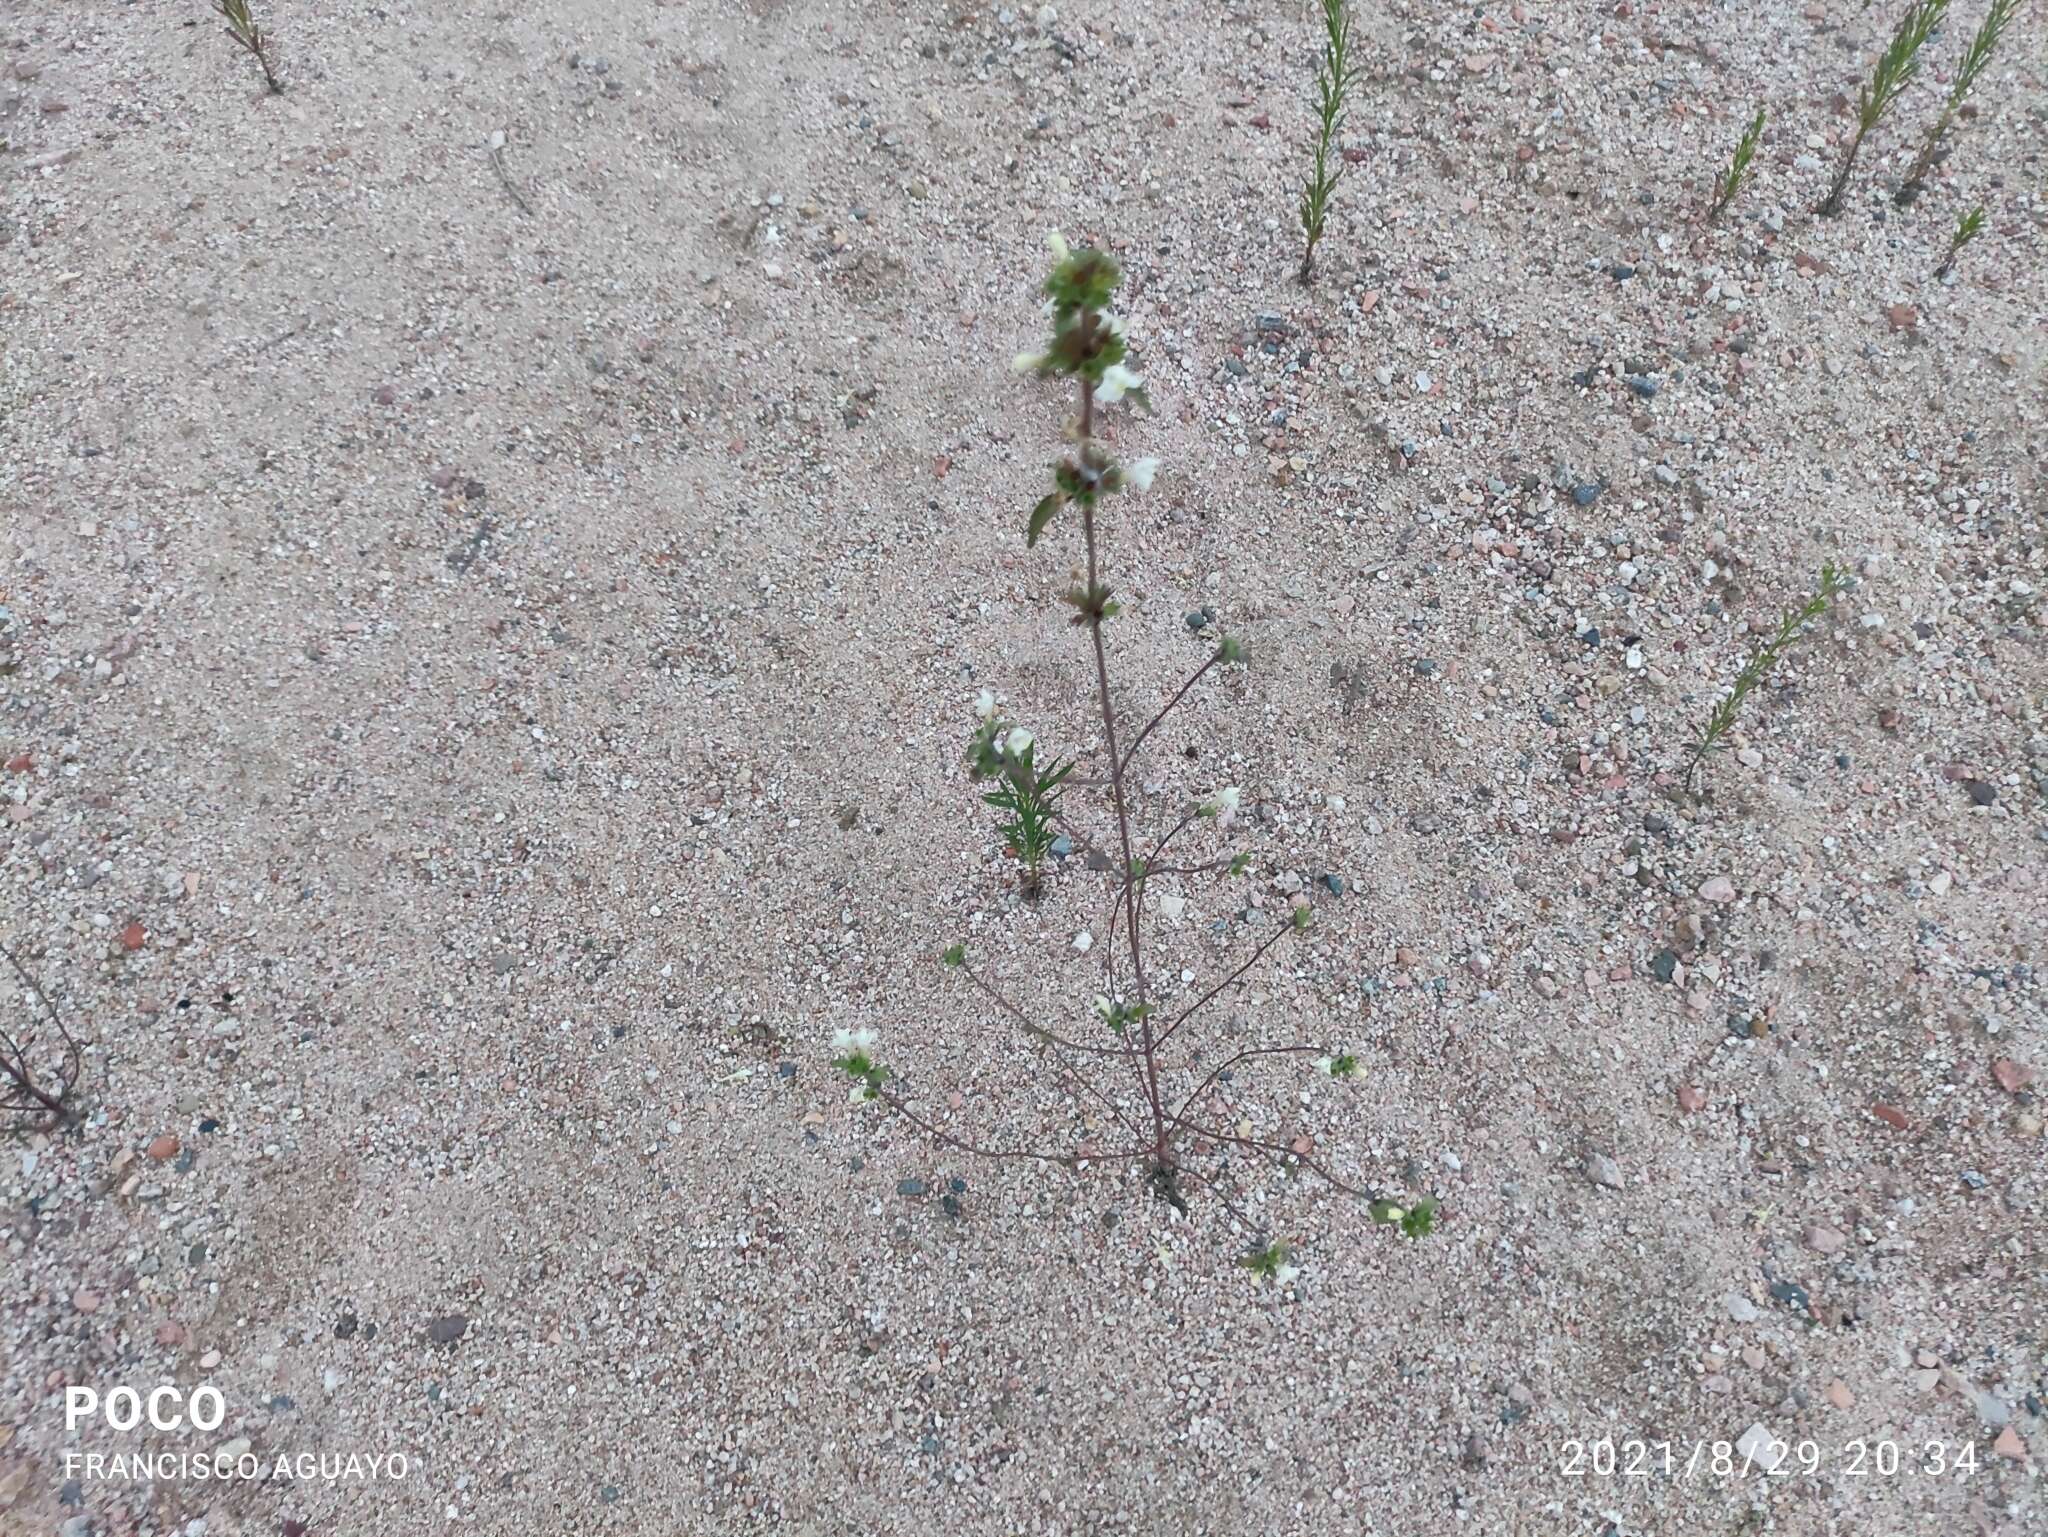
(1088, 344)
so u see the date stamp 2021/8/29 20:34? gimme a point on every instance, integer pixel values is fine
(1759, 1454)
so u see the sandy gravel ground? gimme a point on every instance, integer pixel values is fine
(487, 644)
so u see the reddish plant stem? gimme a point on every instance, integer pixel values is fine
(1243, 1056)
(1182, 1017)
(1055, 1043)
(1032, 1155)
(1214, 1186)
(1274, 1148)
(1149, 1070)
(1151, 725)
(1178, 828)
(1201, 869)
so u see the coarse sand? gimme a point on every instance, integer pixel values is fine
(499, 547)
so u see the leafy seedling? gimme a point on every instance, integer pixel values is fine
(1976, 59)
(1967, 229)
(1791, 628)
(243, 29)
(1731, 181)
(1417, 1221)
(1876, 97)
(1271, 1262)
(1335, 75)
(1009, 753)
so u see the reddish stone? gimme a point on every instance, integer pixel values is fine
(2012, 1076)
(1691, 1099)
(163, 1148)
(134, 936)
(1890, 1116)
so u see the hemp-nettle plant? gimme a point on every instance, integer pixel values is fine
(1335, 75)
(243, 29)
(1967, 229)
(1731, 181)
(1976, 59)
(1876, 97)
(1134, 1056)
(1792, 628)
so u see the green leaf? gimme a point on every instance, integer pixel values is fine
(955, 956)
(1239, 865)
(1417, 1221)
(1040, 516)
(1138, 397)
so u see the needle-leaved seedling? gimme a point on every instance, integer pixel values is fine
(1714, 737)
(1876, 97)
(1967, 229)
(243, 29)
(1731, 181)
(1976, 59)
(1335, 75)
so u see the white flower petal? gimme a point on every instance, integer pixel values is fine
(1058, 242)
(1017, 743)
(1027, 362)
(985, 704)
(1115, 380)
(1138, 474)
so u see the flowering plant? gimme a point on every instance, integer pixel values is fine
(1138, 1053)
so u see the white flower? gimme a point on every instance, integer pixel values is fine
(1224, 807)
(1285, 1275)
(1115, 380)
(1327, 1066)
(849, 1042)
(1138, 474)
(1058, 242)
(985, 704)
(1017, 743)
(1027, 362)
(859, 1094)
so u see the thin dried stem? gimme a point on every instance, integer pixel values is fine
(1193, 1008)
(1179, 694)
(49, 1105)
(1243, 1056)
(1007, 1154)
(1277, 1149)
